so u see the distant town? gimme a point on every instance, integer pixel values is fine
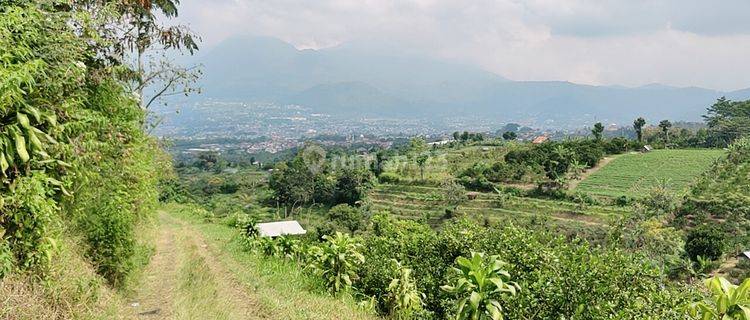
(265, 129)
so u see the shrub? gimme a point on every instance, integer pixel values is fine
(346, 216)
(404, 299)
(481, 286)
(707, 241)
(616, 145)
(727, 301)
(389, 177)
(336, 261)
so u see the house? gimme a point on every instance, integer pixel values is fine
(744, 255)
(279, 228)
(540, 139)
(647, 148)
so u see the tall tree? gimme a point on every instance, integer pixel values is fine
(729, 120)
(135, 36)
(665, 125)
(638, 126)
(510, 135)
(421, 161)
(597, 131)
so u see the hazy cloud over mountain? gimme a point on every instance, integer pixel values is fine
(634, 42)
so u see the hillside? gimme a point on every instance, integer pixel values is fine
(368, 80)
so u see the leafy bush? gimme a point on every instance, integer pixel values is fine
(68, 123)
(347, 216)
(707, 241)
(616, 145)
(403, 299)
(389, 177)
(336, 261)
(727, 301)
(481, 286)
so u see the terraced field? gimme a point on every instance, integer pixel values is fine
(426, 203)
(632, 174)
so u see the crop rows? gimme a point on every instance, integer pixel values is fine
(633, 174)
(418, 202)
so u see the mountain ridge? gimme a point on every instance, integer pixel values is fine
(349, 80)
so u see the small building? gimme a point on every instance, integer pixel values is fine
(744, 255)
(279, 228)
(540, 139)
(647, 148)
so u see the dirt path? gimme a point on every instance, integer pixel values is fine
(186, 280)
(573, 184)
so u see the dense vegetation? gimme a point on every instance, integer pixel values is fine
(74, 148)
(640, 264)
(421, 240)
(79, 171)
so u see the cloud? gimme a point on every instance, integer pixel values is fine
(633, 42)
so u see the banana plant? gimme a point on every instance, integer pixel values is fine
(727, 301)
(481, 285)
(336, 261)
(404, 299)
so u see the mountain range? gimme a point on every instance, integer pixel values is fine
(360, 80)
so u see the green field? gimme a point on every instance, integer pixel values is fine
(634, 173)
(425, 203)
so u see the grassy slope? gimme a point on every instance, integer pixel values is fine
(277, 289)
(72, 291)
(628, 173)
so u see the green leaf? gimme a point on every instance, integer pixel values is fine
(23, 120)
(21, 147)
(3, 162)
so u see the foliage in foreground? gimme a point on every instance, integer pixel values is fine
(481, 285)
(336, 261)
(74, 152)
(726, 302)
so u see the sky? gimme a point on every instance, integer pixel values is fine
(628, 42)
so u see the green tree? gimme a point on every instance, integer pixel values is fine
(346, 216)
(638, 126)
(454, 193)
(509, 135)
(145, 39)
(421, 162)
(352, 184)
(727, 301)
(597, 131)
(481, 286)
(417, 145)
(665, 125)
(728, 120)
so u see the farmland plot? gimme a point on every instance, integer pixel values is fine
(632, 174)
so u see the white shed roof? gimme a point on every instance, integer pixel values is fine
(279, 228)
(746, 254)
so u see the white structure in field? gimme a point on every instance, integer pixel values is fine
(279, 228)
